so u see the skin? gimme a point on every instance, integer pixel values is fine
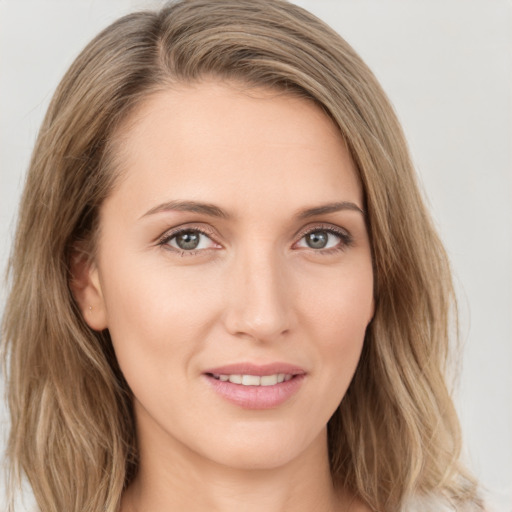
(254, 291)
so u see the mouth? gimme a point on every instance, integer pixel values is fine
(256, 386)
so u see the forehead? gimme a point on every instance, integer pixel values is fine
(226, 141)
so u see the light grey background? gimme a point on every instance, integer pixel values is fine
(447, 67)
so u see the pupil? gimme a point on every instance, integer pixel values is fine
(318, 239)
(188, 240)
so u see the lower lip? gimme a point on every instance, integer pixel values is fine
(256, 397)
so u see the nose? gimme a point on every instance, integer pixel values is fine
(259, 297)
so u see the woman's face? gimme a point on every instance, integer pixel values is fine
(233, 273)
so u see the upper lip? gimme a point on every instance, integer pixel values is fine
(246, 368)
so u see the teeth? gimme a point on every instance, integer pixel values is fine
(255, 380)
(251, 380)
(269, 380)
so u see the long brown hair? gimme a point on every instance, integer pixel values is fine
(395, 434)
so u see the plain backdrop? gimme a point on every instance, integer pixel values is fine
(447, 66)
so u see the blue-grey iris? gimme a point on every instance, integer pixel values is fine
(188, 240)
(317, 239)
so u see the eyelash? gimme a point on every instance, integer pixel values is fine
(345, 237)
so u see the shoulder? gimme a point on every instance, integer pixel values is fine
(423, 503)
(438, 503)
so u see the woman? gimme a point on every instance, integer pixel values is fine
(233, 296)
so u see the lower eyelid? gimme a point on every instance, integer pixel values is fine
(165, 243)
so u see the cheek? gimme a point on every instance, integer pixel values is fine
(337, 319)
(156, 318)
(342, 302)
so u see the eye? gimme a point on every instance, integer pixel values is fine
(188, 241)
(325, 240)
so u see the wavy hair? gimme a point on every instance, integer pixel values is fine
(395, 434)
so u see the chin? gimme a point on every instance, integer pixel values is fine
(264, 450)
(255, 459)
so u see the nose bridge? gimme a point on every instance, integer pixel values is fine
(259, 305)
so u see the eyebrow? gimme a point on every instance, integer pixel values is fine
(189, 206)
(329, 208)
(214, 211)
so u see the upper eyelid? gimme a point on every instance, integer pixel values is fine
(209, 231)
(171, 233)
(323, 226)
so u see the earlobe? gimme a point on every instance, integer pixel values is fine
(85, 286)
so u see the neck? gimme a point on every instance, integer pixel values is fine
(172, 477)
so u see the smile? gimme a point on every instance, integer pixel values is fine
(253, 386)
(254, 380)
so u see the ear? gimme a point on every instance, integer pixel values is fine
(86, 289)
